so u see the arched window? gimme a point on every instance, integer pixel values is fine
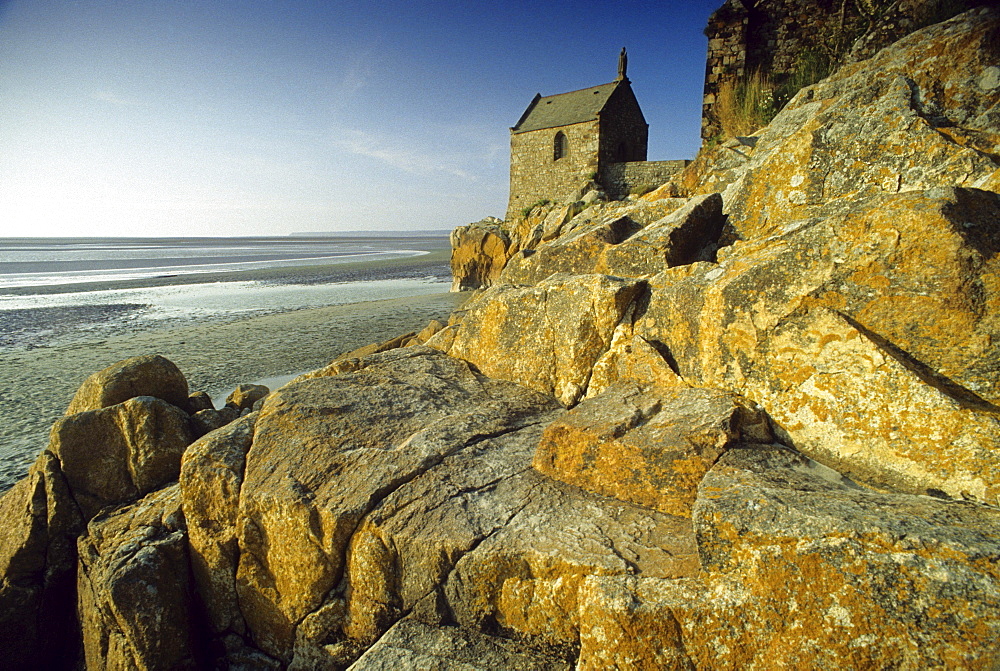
(560, 146)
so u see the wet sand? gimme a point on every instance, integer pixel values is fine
(215, 356)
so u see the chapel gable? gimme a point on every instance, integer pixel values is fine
(562, 143)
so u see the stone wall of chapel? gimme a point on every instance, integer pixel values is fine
(637, 177)
(622, 126)
(534, 173)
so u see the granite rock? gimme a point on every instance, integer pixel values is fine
(559, 328)
(150, 375)
(117, 454)
(135, 596)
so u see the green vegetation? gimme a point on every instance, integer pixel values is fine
(811, 66)
(640, 190)
(525, 211)
(746, 105)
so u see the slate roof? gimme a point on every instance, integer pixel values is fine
(565, 108)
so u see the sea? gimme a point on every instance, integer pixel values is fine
(53, 289)
(61, 294)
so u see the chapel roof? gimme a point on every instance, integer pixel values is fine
(564, 109)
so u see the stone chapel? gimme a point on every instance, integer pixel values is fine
(565, 141)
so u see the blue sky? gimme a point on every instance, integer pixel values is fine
(248, 117)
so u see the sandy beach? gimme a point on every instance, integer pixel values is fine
(214, 354)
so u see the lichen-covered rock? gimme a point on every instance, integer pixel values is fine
(546, 337)
(119, 453)
(245, 395)
(135, 597)
(833, 574)
(822, 574)
(150, 375)
(922, 288)
(403, 486)
(632, 358)
(918, 115)
(854, 402)
(478, 254)
(411, 644)
(924, 277)
(650, 446)
(211, 478)
(679, 238)
(577, 251)
(343, 443)
(37, 569)
(623, 241)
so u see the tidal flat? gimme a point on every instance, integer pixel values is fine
(276, 326)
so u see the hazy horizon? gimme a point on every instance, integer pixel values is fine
(192, 119)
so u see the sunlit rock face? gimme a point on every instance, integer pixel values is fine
(748, 421)
(403, 486)
(478, 254)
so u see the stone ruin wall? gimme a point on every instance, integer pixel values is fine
(534, 176)
(769, 36)
(621, 179)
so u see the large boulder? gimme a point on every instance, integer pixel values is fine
(546, 337)
(37, 569)
(919, 294)
(647, 446)
(404, 486)
(846, 397)
(136, 602)
(211, 478)
(804, 569)
(478, 254)
(119, 453)
(374, 429)
(111, 449)
(150, 375)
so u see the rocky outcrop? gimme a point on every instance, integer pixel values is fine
(478, 254)
(918, 115)
(647, 446)
(211, 477)
(110, 449)
(117, 454)
(559, 329)
(900, 333)
(822, 572)
(150, 375)
(434, 510)
(37, 563)
(748, 421)
(135, 605)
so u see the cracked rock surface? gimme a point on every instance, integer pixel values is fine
(406, 487)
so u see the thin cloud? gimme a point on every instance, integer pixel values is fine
(370, 145)
(115, 99)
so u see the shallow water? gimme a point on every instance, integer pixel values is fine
(30, 262)
(275, 323)
(39, 320)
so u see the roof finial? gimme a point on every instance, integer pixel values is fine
(622, 64)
